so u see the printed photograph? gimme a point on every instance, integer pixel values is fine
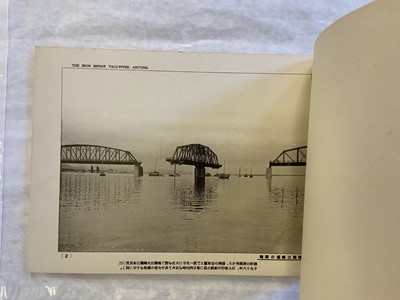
(182, 161)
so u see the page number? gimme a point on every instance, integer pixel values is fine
(66, 255)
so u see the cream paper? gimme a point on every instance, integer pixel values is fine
(352, 208)
(248, 109)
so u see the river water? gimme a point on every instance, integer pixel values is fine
(124, 213)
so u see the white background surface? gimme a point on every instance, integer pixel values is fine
(289, 27)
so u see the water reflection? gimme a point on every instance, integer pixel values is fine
(121, 212)
(286, 191)
(93, 192)
(194, 197)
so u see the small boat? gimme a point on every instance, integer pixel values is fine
(102, 170)
(175, 175)
(155, 173)
(224, 175)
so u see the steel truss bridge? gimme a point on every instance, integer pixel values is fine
(291, 157)
(196, 155)
(94, 154)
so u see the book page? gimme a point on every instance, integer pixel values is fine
(155, 162)
(352, 207)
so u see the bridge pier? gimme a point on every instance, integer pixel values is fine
(138, 171)
(200, 185)
(200, 172)
(199, 178)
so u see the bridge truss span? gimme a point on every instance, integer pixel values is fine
(196, 155)
(94, 154)
(291, 157)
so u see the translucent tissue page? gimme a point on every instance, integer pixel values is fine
(3, 80)
(198, 26)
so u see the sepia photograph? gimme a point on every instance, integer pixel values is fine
(182, 161)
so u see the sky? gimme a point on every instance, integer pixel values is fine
(246, 119)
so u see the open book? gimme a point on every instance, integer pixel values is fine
(188, 163)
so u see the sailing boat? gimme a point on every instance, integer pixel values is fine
(155, 173)
(102, 170)
(239, 175)
(224, 175)
(175, 174)
(251, 172)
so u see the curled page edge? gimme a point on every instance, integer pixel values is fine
(347, 237)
